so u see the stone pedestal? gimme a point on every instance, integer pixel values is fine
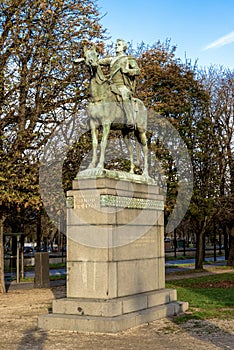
(115, 258)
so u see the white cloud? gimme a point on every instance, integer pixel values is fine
(224, 40)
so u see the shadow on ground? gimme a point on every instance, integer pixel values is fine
(165, 334)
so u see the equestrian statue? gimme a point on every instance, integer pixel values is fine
(113, 104)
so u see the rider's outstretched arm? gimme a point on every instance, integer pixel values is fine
(78, 60)
(105, 61)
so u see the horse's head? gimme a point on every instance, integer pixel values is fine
(91, 56)
(99, 88)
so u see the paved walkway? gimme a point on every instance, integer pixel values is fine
(175, 269)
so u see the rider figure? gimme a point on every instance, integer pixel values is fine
(123, 70)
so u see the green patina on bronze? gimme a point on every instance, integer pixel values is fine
(130, 203)
(113, 104)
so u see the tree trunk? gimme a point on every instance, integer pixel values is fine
(226, 249)
(2, 277)
(38, 231)
(200, 246)
(230, 261)
(199, 252)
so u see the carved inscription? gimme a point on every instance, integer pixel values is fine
(87, 202)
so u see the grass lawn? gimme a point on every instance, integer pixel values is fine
(208, 296)
(52, 278)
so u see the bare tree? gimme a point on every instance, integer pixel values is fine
(39, 86)
(219, 82)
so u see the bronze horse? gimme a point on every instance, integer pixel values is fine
(104, 109)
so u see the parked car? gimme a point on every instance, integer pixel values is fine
(43, 249)
(28, 251)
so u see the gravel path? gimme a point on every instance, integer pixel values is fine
(18, 329)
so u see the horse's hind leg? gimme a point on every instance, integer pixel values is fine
(94, 132)
(141, 135)
(105, 134)
(138, 153)
(130, 150)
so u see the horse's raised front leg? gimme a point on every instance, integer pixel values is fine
(94, 132)
(105, 134)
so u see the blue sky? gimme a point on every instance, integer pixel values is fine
(201, 29)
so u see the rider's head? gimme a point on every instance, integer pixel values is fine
(121, 45)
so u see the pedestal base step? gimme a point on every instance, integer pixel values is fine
(116, 324)
(115, 306)
(112, 315)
